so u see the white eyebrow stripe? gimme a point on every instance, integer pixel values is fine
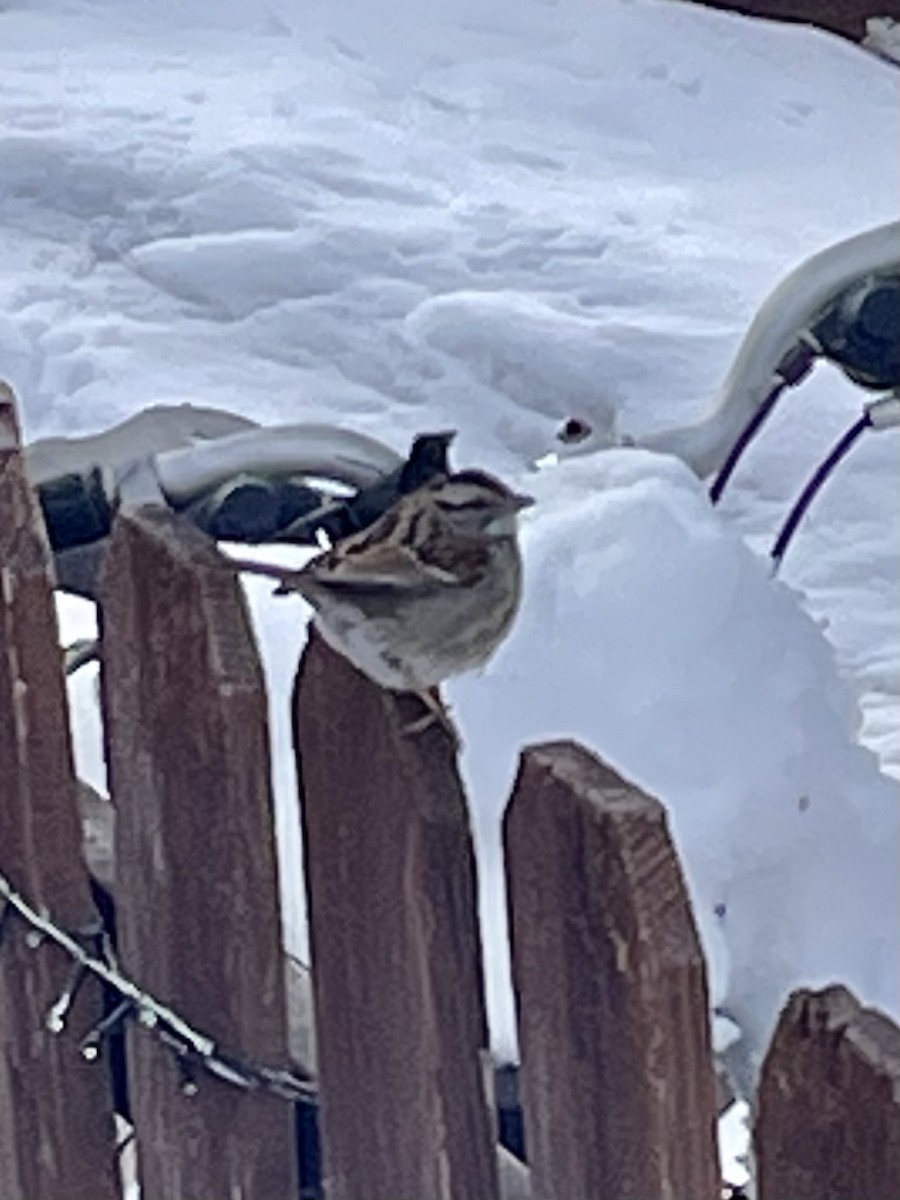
(448, 502)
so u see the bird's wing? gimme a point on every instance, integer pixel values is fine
(377, 567)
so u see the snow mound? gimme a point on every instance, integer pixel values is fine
(650, 632)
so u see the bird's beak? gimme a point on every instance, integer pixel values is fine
(504, 524)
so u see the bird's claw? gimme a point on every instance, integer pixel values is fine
(436, 714)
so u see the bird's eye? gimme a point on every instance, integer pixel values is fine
(574, 430)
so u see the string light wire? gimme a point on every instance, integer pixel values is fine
(191, 1047)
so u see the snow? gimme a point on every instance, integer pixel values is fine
(708, 685)
(489, 217)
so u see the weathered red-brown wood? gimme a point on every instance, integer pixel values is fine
(397, 972)
(196, 886)
(618, 1087)
(828, 1110)
(56, 1130)
(847, 17)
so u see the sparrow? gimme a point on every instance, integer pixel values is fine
(427, 592)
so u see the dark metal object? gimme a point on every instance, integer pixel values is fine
(746, 436)
(793, 368)
(340, 518)
(76, 509)
(108, 1035)
(309, 1150)
(860, 332)
(248, 508)
(510, 1119)
(809, 493)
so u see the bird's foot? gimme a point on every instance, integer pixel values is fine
(436, 713)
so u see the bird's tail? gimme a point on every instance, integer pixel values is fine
(284, 575)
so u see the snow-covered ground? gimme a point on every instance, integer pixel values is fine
(490, 216)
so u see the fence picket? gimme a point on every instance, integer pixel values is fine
(56, 1130)
(185, 716)
(618, 1087)
(397, 974)
(828, 1109)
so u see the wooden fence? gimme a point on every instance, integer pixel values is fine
(617, 1082)
(847, 17)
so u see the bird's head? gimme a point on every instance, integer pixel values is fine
(476, 504)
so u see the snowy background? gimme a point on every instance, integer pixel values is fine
(490, 216)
